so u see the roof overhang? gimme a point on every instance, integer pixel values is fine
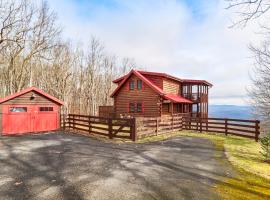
(187, 81)
(196, 82)
(29, 90)
(177, 99)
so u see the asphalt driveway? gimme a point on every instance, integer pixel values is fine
(65, 166)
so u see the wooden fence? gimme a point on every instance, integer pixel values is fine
(109, 127)
(134, 128)
(238, 127)
(147, 126)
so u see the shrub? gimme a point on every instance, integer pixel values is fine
(265, 145)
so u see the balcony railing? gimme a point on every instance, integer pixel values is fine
(192, 96)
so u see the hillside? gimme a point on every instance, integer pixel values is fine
(230, 111)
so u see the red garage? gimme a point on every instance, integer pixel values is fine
(30, 110)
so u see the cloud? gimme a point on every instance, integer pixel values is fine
(169, 36)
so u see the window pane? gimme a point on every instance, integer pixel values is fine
(18, 109)
(139, 84)
(131, 85)
(132, 107)
(45, 109)
(139, 107)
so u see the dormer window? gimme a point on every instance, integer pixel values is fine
(131, 85)
(139, 84)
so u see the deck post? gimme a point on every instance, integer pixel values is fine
(257, 130)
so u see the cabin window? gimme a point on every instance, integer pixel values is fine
(18, 109)
(139, 107)
(132, 107)
(45, 109)
(139, 84)
(195, 108)
(131, 85)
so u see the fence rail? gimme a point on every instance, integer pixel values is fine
(134, 128)
(238, 127)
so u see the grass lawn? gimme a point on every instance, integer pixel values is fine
(253, 177)
(241, 152)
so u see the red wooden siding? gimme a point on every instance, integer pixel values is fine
(31, 121)
(147, 96)
(157, 80)
(40, 114)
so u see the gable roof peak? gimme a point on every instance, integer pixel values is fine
(165, 75)
(140, 76)
(29, 90)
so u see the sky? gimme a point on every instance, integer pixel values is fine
(184, 38)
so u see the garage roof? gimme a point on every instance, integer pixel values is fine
(29, 90)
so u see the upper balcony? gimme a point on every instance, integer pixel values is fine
(195, 97)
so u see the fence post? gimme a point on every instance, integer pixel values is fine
(89, 123)
(197, 124)
(61, 125)
(67, 122)
(207, 124)
(257, 130)
(73, 121)
(226, 126)
(157, 126)
(64, 122)
(133, 129)
(172, 123)
(110, 128)
(180, 122)
(200, 124)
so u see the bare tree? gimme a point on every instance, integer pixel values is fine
(248, 9)
(33, 53)
(27, 33)
(259, 93)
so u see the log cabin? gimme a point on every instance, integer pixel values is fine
(153, 94)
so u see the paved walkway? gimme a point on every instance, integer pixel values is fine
(65, 166)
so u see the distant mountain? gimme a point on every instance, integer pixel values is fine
(230, 111)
